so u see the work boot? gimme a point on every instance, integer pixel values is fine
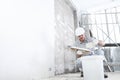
(81, 74)
(105, 76)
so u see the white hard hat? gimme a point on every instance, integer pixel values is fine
(79, 31)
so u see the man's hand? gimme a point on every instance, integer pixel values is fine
(86, 52)
(101, 43)
(79, 52)
(82, 52)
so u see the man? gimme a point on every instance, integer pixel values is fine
(87, 43)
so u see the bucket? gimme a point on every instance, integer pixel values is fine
(93, 67)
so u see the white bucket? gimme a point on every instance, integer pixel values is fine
(93, 67)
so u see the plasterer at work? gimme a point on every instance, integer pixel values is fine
(87, 43)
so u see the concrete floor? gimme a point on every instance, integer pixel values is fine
(76, 76)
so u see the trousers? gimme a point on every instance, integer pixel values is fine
(96, 52)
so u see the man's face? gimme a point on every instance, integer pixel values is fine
(81, 37)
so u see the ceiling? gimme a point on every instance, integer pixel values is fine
(93, 5)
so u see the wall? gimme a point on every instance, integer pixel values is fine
(26, 39)
(64, 36)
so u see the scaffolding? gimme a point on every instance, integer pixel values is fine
(105, 25)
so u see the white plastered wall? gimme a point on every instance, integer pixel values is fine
(26, 39)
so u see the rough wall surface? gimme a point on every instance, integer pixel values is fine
(64, 36)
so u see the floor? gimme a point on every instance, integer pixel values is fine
(76, 76)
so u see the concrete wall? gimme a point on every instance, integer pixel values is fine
(64, 36)
(26, 47)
